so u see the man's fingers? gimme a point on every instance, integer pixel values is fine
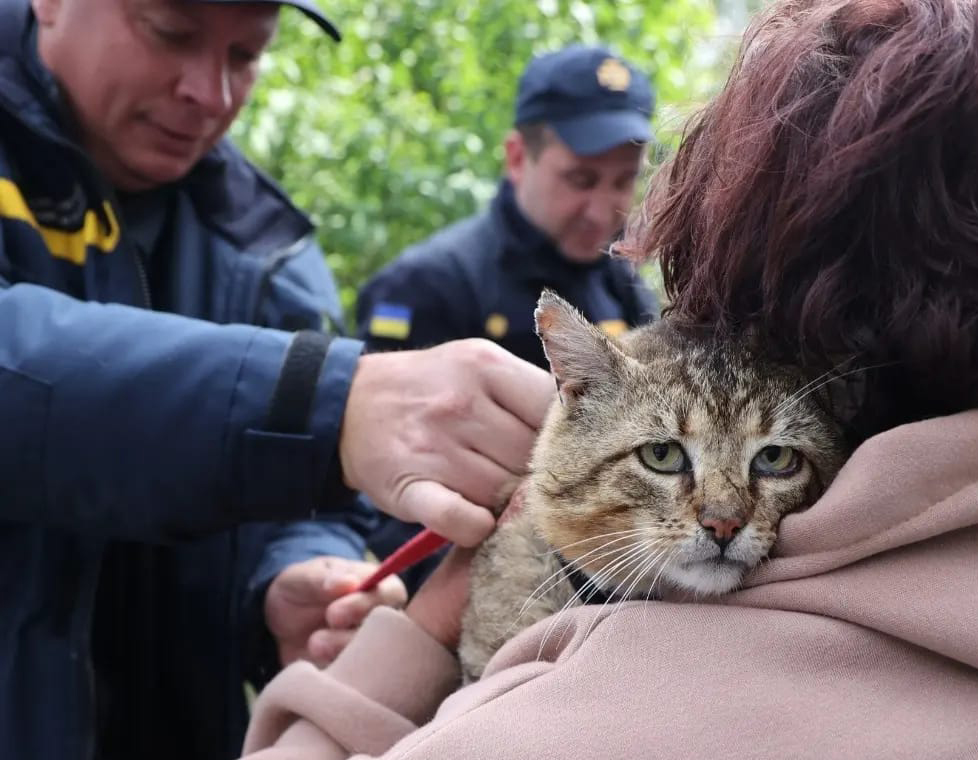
(479, 479)
(522, 388)
(502, 437)
(349, 611)
(446, 512)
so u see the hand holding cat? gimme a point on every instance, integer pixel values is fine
(467, 413)
(312, 614)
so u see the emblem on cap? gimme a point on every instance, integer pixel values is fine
(614, 75)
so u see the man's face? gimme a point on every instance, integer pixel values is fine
(159, 83)
(578, 201)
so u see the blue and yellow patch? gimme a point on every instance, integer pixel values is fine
(390, 320)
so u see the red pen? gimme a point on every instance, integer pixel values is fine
(426, 543)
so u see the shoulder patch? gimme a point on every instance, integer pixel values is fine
(390, 320)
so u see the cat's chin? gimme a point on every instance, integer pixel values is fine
(708, 576)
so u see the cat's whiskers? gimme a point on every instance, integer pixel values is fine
(598, 581)
(642, 568)
(665, 564)
(560, 575)
(798, 396)
(565, 547)
(555, 579)
(557, 576)
(821, 380)
(589, 587)
(607, 574)
(642, 572)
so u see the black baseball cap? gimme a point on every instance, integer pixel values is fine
(306, 6)
(593, 99)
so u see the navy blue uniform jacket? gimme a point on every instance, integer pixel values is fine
(132, 442)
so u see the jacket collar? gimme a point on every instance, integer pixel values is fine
(528, 253)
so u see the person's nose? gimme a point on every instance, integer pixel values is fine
(602, 209)
(206, 82)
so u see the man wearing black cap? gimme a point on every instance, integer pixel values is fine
(582, 121)
(174, 503)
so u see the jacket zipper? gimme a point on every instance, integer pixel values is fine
(143, 277)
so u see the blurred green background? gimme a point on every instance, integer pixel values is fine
(397, 131)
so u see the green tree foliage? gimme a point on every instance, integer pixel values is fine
(397, 131)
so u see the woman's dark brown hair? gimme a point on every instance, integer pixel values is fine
(828, 197)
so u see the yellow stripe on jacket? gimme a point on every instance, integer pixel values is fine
(62, 244)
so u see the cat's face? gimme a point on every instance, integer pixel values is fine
(671, 458)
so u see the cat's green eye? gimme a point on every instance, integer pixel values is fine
(666, 457)
(776, 460)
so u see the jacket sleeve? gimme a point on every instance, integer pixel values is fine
(150, 426)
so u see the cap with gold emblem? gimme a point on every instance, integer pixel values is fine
(593, 99)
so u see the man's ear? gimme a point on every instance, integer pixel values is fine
(516, 156)
(581, 356)
(46, 11)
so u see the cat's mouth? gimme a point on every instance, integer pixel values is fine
(709, 575)
(720, 560)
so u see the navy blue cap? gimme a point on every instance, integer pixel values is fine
(593, 99)
(306, 6)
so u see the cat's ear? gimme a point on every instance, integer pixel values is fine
(580, 355)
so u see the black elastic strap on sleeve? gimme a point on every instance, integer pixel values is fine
(295, 390)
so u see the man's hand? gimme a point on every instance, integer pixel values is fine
(442, 436)
(307, 616)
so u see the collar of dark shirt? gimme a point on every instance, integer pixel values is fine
(528, 252)
(145, 215)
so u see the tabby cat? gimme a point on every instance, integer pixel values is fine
(670, 459)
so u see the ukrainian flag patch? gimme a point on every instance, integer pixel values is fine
(390, 320)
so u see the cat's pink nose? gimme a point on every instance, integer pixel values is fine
(721, 530)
